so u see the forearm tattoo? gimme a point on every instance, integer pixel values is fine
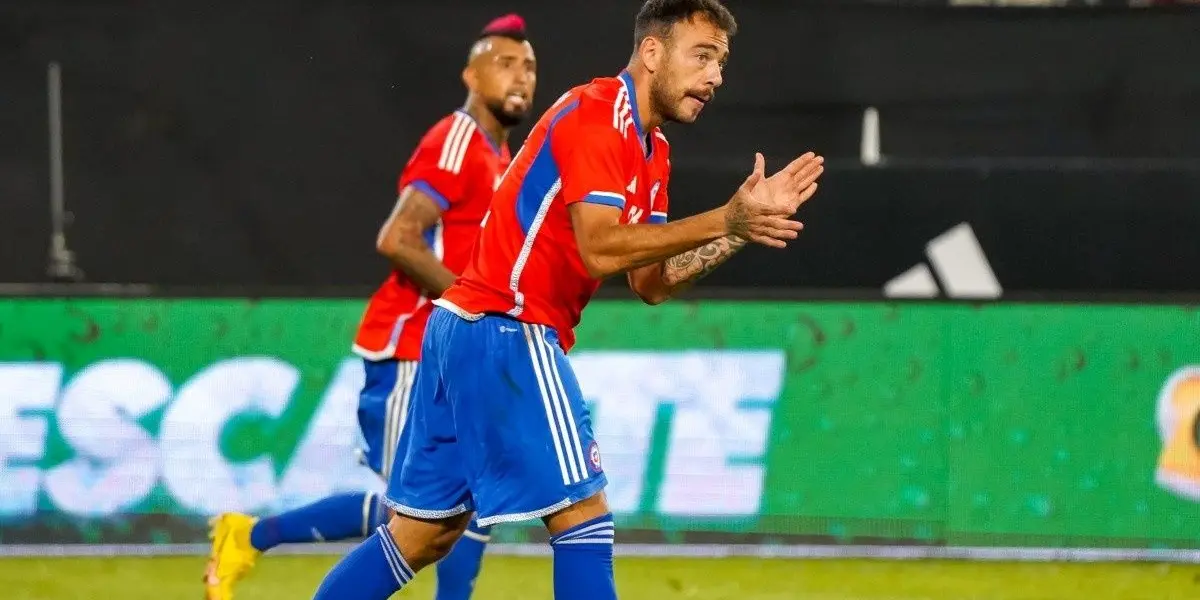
(694, 264)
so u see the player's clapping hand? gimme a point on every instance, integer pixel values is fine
(794, 184)
(761, 208)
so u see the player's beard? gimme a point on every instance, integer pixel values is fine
(506, 118)
(665, 103)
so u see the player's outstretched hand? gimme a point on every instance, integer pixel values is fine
(794, 184)
(755, 214)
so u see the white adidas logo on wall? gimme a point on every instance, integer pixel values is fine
(961, 267)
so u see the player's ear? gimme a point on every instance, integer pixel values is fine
(652, 53)
(470, 78)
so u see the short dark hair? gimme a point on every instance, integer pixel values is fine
(658, 16)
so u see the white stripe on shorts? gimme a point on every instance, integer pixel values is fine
(558, 412)
(558, 447)
(566, 403)
(396, 409)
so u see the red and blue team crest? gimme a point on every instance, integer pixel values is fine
(594, 457)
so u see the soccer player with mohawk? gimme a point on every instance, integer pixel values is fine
(444, 193)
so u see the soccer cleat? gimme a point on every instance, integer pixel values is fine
(231, 557)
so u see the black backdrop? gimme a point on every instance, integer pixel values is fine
(224, 143)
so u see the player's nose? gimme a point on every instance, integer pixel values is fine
(715, 79)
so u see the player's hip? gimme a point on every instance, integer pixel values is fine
(455, 339)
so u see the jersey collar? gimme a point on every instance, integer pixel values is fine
(491, 143)
(627, 81)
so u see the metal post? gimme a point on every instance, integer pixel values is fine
(62, 260)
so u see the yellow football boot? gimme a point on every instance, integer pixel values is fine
(231, 557)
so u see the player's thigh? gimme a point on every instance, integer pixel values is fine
(427, 477)
(525, 431)
(379, 386)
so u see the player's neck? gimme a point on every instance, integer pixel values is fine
(641, 84)
(488, 122)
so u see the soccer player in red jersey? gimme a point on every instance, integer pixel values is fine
(498, 426)
(444, 192)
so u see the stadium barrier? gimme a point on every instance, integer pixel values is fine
(911, 428)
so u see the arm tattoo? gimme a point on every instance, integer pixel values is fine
(694, 264)
(737, 218)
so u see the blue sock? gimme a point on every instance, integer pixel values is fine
(372, 571)
(335, 518)
(457, 572)
(583, 561)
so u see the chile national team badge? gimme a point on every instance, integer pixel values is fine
(594, 456)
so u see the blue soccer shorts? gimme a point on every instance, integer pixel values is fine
(382, 408)
(496, 424)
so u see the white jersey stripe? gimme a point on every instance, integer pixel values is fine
(620, 197)
(462, 139)
(565, 401)
(467, 138)
(527, 248)
(444, 159)
(561, 413)
(617, 108)
(558, 448)
(454, 141)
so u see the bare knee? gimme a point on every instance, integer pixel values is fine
(577, 514)
(424, 542)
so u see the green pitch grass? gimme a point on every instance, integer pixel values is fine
(513, 578)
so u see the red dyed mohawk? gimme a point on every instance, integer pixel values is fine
(511, 26)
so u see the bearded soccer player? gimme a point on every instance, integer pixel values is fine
(498, 426)
(444, 193)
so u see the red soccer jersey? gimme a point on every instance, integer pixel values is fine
(459, 166)
(589, 147)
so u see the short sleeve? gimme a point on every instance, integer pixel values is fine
(590, 156)
(439, 166)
